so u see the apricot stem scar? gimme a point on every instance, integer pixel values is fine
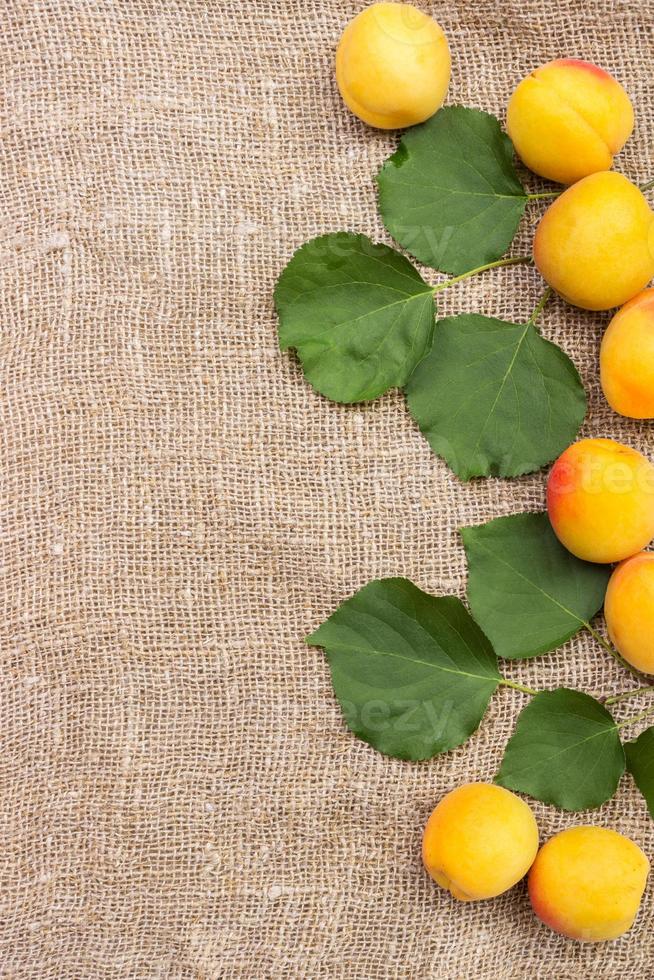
(519, 260)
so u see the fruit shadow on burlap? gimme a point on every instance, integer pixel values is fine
(181, 796)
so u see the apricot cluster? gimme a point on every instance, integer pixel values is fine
(595, 244)
(585, 882)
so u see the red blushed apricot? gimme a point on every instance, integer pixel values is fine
(627, 358)
(629, 610)
(600, 500)
(568, 119)
(586, 66)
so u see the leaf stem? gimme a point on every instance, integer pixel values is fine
(538, 309)
(519, 260)
(648, 186)
(518, 687)
(629, 694)
(614, 653)
(542, 194)
(635, 718)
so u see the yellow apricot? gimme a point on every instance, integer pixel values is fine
(595, 243)
(600, 500)
(587, 883)
(629, 610)
(393, 65)
(480, 840)
(627, 358)
(568, 119)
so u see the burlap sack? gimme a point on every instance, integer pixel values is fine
(180, 796)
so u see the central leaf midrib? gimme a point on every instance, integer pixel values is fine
(501, 387)
(534, 585)
(397, 656)
(454, 190)
(378, 309)
(535, 766)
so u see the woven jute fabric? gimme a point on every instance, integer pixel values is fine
(180, 796)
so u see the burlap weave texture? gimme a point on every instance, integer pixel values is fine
(180, 797)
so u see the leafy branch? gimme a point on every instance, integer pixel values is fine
(491, 397)
(414, 673)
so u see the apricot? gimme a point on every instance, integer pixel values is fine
(393, 65)
(600, 500)
(568, 119)
(627, 358)
(595, 243)
(480, 840)
(587, 883)
(629, 610)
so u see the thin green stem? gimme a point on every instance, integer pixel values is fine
(538, 309)
(635, 718)
(543, 194)
(648, 186)
(614, 653)
(520, 260)
(518, 687)
(629, 694)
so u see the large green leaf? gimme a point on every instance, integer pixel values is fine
(565, 750)
(359, 315)
(526, 591)
(640, 763)
(450, 194)
(413, 672)
(494, 398)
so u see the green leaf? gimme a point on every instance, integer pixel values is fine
(413, 672)
(640, 763)
(526, 591)
(359, 315)
(565, 750)
(450, 194)
(494, 398)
